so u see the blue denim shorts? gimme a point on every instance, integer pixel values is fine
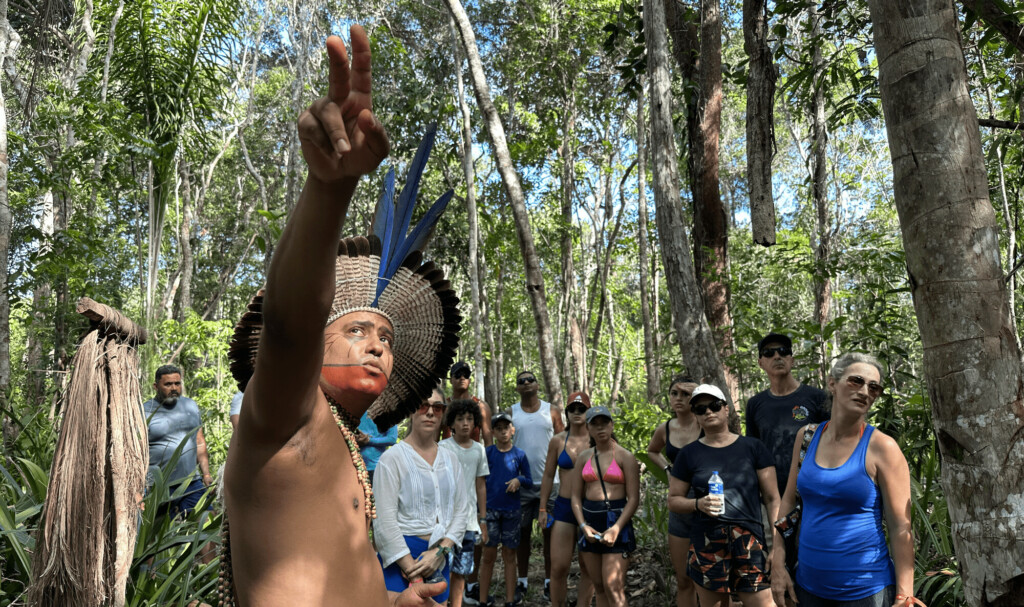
(462, 559)
(503, 528)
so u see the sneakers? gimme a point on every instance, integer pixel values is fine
(520, 593)
(471, 597)
(547, 592)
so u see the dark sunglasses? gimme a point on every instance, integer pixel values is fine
(714, 407)
(461, 374)
(438, 409)
(526, 380)
(780, 350)
(576, 408)
(857, 382)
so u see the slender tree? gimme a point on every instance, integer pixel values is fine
(696, 343)
(652, 368)
(971, 361)
(509, 177)
(9, 41)
(760, 120)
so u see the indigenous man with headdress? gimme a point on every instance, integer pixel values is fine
(342, 329)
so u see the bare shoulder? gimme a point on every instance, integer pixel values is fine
(624, 455)
(885, 448)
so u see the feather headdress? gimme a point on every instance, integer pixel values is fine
(384, 273)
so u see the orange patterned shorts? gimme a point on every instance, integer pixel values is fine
(729, 559)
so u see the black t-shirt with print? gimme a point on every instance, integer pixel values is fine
(776, 420)
(737, 464)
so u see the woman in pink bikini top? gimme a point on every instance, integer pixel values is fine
(606, 493)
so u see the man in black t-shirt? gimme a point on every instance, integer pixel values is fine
(776, 415)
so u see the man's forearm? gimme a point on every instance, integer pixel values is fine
(301, 276)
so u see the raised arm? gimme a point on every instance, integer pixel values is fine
(341, 141)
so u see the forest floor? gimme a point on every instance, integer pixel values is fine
(645, 583)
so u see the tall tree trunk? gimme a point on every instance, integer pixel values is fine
(822, 278)
(575, 372)
(9, 41)
(696, 343)
(760, 120)
(534, 277)
(652, 369)
(971, 361)
(471, 217)
(185, 242)
(699, 56)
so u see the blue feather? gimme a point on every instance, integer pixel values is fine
(421, 233)
(383, 228)
(406, 202)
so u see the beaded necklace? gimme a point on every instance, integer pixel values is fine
(347, 423)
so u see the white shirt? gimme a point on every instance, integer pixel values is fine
(533, 433)
(416, 498)
(474, 465)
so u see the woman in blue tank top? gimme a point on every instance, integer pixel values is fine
(851, 478)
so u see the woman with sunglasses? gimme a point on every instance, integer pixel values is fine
(727, 542)
(605, 495)
(852, 475)
(419, 495)
(678, 431)
(562, 452)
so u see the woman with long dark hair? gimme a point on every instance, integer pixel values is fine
(678, 431)
(562, 454)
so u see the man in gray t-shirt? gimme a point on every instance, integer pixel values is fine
(173, 419)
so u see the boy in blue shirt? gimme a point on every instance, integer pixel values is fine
(509, 471)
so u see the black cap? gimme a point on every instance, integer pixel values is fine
(774, 338)
(501, 417)
(459, 366)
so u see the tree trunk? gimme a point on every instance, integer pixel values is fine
(760, 120)
(534, 277)
(575, 372)
(696, 343)
(471, 217)
(1003, 22)
(822, 278)
(971, 361)
(651, 367)
(8, 45)
(185, 242)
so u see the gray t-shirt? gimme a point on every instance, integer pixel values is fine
(236, 404)
(168, 427)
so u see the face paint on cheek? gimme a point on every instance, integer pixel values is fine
(344, 378)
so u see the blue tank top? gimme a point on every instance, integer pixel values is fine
(843, 554)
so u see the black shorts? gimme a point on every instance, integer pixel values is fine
(680, 525)
(595, 513)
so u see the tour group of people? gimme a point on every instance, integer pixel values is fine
(325, 506)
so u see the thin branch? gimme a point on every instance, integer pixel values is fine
(1001, 124)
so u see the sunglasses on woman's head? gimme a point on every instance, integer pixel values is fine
(529, 379)
(438, 409)
(857, 382)
(714, 406)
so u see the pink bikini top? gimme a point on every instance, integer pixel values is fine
(612, 475)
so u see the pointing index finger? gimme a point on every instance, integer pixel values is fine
(338, 74)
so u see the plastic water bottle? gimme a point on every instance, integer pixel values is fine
(717, 488)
